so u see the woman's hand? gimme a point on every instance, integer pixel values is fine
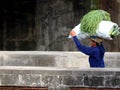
(72, 33)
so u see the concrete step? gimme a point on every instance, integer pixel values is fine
(55, 78)
(42, 58)
(57, 70)
(54, 59)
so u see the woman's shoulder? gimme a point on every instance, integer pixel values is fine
(95, 49)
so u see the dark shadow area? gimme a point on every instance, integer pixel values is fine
(17, 24)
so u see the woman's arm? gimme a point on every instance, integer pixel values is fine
(82, 48)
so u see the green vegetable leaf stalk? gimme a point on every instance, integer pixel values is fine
(91, 20)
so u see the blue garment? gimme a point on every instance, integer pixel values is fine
(96, 54)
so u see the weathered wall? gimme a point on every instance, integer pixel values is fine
(54, 59)
(38, 88)
(45, 24)
(17, 25)
(26, 69)
(113, 7)
(38, 24)
(59, 78)
(54, 20)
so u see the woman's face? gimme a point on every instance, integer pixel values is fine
(92, 43)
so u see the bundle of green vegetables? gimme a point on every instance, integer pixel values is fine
(91, 20)
(96, 22)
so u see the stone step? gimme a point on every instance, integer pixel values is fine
(43, 58)
(55, 78)
(54, 59)
(57, 70)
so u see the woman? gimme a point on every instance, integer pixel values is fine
(95, 51)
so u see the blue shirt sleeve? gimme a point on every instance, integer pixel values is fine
(102, 48)
(82, 48)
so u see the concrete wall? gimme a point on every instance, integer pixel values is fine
(57, 70)
(54, 20)
(17, 25)
(44, 24)
(54, 59)
(47, 59)
(113, 7)
(59, 78)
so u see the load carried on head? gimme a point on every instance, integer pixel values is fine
(97, 23)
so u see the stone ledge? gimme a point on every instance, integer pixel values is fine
(20, 68)
(52, 77)
(57, 70)
(54, 59)
(43, 58)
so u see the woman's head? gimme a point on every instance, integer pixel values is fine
(95, 41)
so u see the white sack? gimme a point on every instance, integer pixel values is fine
(103, 30)
(80, 35)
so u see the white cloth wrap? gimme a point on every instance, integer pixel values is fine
(102, 31)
